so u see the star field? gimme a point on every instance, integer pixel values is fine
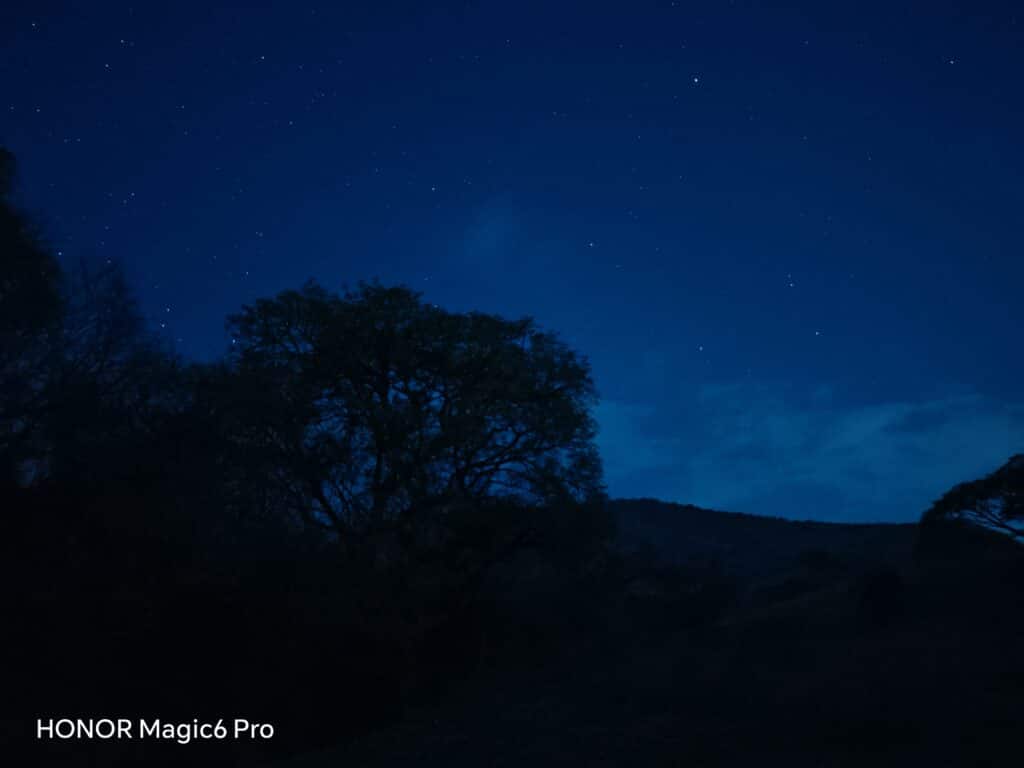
(788, 238)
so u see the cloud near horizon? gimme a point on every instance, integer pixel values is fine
(769, 449)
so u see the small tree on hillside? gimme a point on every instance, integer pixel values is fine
(995, 502)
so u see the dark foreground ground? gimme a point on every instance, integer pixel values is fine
(840, 646)
(842, 677)
(710, 640)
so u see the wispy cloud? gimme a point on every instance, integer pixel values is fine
(773, 450)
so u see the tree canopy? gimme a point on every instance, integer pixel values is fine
(373, 403)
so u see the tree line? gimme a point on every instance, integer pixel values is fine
(322, 508)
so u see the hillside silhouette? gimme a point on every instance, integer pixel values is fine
(840, 645)
(753, 546)
(381, 527)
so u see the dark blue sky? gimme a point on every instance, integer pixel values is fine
(788, 238)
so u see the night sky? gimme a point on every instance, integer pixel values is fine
(788, 239)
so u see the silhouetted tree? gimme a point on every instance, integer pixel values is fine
(371, 404)
(30, 316)
(112, 382)
(994, 502)
(79, 370)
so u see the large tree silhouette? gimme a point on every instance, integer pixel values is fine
(30, 317)
(372, 404)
